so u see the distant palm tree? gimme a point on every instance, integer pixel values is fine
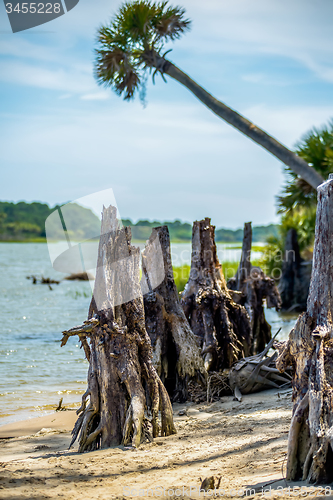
(133, 43)
(316, 148)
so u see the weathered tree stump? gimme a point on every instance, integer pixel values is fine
(244, 269)
(122, 381)
(222, 325)
(310, 351)
(251, 289)
(295, 279)
(176, 351)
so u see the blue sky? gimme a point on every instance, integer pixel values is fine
(64, 137)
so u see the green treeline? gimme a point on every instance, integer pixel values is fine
(182, 231)
(26, 222)
(23, 221)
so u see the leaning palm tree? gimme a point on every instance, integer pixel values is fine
(133, 43)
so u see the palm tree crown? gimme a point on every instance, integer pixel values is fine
(136, 35)
(316, 148)
(133, 42)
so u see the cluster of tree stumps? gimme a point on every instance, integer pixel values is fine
(139, 336)
(145, 346)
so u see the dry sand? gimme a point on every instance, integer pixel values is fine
(244, 444)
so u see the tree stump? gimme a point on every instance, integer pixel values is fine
(222, 325)
(310, 351)
(295, 279)
(122, 381)
(252, 289)
(176, 351)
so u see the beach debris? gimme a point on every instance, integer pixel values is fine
(237, 395)
(222, 326)
(43, 281)
(257, 373)
(210, 483)
(217, 385)
(252, 288)
(80, 277)
(176, 350)
(122, 381)
(60, 405)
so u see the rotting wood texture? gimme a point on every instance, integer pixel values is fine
(176, 350)
(124, 390)
(310, 351)
(222, 325)
(251, 288)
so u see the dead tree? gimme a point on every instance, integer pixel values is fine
(176, 351)
(295, 278)
(251, 289)
(310, 351)
(245, 266)
(222, 325)
(121, 376)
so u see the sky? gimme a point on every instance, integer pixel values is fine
(63, 137)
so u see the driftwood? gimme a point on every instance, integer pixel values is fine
(122, 381)
(176, 351)
(42, 281)
(296, 273)
(222, 325)
(310, 351)
(257, 373)
(251, 288)
(80, 277)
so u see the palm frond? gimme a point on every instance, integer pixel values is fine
(170, 23)
(129, 82)
(316, 148)
(140, 29)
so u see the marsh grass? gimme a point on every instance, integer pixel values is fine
(182, 273)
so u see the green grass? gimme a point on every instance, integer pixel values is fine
(181, 274)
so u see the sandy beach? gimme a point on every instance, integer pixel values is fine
(241, 444)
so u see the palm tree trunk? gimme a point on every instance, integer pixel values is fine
(297, 164)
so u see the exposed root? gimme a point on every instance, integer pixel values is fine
(295, 426)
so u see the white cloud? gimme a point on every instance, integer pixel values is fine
(166, 161)
(289, 124)
(175, 158)
(298, 30)
(96, 96)
(60, 78)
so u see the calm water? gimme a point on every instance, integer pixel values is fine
(35, 372)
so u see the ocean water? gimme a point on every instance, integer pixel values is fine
(35, 372)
